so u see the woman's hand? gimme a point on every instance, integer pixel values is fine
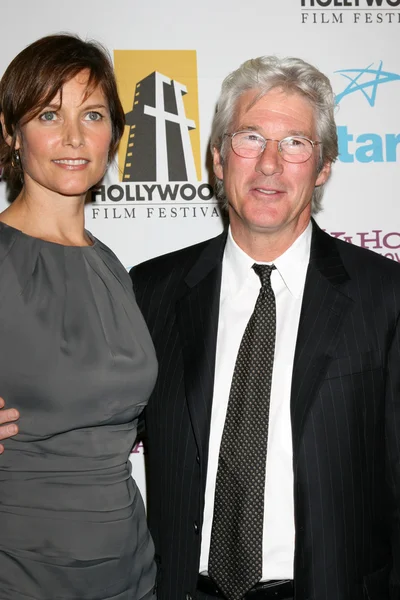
(7, 427)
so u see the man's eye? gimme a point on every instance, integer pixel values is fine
(253, 137)
(93, 116)
(49, 115)
(295, 142)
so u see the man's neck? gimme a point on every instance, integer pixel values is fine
(265, 246)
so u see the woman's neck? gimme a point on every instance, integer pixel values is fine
(53, 218)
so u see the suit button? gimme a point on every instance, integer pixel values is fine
(196, 528)
(197, 458)
(189, 597)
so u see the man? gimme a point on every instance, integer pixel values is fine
(332, 481)
(274, 428)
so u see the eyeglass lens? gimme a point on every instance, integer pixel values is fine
(250, 145)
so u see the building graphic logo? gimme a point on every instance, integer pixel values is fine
(159, 91)
(365, 81)
(159, 146)
(159, 162)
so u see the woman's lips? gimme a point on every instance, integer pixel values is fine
(71, 164)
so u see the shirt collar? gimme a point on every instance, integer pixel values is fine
(291, 265)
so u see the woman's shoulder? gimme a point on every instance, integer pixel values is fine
(111, 259)
(8, 237)
(105, 250)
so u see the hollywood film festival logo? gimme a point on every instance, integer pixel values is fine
(159, 161)
(368, 146)
(355, 12)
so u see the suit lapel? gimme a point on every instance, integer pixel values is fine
(197, 316)
(324, 308)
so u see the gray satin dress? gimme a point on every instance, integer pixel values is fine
(77, 360)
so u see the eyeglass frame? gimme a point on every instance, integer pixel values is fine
(279, 142)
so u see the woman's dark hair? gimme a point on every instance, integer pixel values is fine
(37, 75)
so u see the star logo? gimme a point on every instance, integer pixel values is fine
(365, 81)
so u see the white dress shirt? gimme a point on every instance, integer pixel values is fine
(240, 287)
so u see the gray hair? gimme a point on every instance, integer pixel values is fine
(293, 75)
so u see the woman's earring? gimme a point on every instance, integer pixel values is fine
(15, 160)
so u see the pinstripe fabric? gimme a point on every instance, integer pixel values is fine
(345, 410)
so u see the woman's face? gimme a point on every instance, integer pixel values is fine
(64, 149)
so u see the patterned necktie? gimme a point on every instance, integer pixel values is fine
(235, 562)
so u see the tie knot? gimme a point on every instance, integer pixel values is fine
(264, 273)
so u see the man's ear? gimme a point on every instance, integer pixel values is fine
(324, 174)
(7, 137)
(217, 163)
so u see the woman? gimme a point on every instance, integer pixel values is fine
(76, 357)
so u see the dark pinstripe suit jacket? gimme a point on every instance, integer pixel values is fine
(345, 411)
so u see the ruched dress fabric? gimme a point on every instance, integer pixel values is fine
(77, 360)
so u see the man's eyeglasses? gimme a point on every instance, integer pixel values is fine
(293, 149)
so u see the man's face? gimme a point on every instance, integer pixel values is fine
(267, 194)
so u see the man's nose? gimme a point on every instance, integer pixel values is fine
(270, 161)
